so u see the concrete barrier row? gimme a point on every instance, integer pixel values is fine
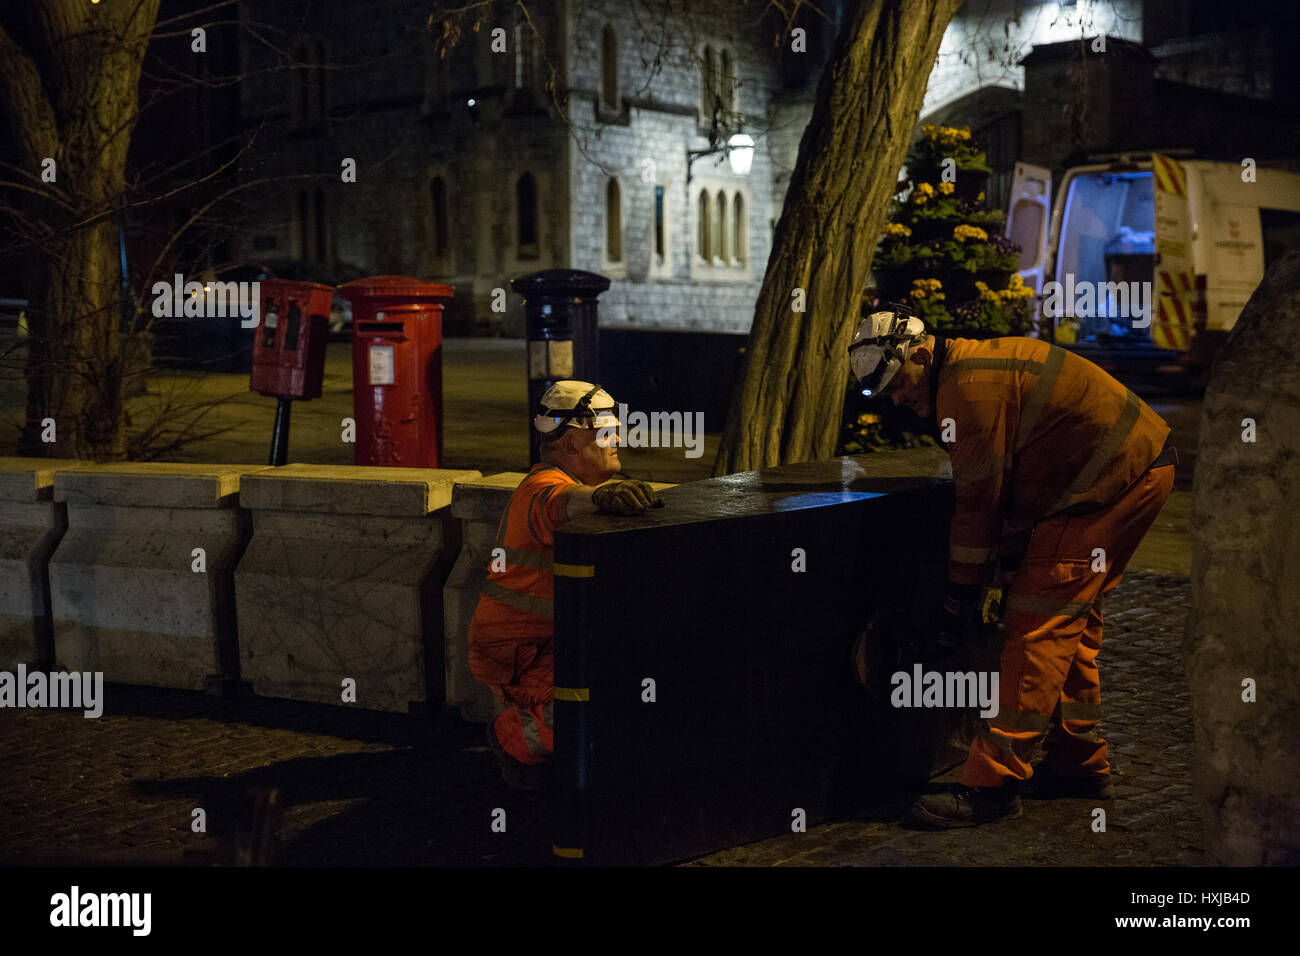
(308, 582)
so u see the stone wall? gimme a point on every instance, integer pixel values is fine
(404, 116)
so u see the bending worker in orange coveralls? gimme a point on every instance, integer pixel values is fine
(1050, 451)
(511, 646)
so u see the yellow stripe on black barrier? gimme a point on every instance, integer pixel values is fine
(573, 693)
(569, 853)
(575, 570)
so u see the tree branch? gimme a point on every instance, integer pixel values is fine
(23, 100)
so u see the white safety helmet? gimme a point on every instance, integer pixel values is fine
(576, 405)
(881, 344)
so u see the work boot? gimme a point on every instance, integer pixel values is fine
(962, 806)
(516, 774)
(1048, 784)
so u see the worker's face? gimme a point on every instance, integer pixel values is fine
(910, 386)
(594, 454)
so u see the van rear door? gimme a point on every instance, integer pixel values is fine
(1027, 220)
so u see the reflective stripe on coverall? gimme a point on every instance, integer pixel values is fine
(1046, 444)
(511, 644)
(1049, 682)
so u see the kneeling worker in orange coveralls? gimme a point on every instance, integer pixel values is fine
(1053, 454)
(511, 636)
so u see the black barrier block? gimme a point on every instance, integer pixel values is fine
(758, 711)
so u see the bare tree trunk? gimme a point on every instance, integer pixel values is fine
(69, 76)
(787, 404)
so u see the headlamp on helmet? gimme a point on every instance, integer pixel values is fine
(576, 405)
(881, 344)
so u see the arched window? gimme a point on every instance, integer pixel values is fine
(738, 227)
(307, 81)
(727, 90)
(301, 88)
(311, 222)
(438, 199)
(703, 230)
(719, 243)
(609, 68)
(708, 82)
(321, 249)
(302, 222)
(526, 217)
(613, 223)
(437, 78)
(320, 79)
(523, 57)
(660, 247)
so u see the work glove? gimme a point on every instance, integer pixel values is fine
(628, 497)
(960, 620)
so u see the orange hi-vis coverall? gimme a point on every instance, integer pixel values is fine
(511, 636)
(1046, 446)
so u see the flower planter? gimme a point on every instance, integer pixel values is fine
(958, 286)
(970, 183)
(923, 230)
(895, 282)
(995, 279)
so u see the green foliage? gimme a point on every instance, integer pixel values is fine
(939, 143)
(943, 252)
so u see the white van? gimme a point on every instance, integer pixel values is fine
(1198, 234)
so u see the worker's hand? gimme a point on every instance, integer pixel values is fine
(959, 622)
(628, 497)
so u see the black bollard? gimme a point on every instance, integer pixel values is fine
(560, 317)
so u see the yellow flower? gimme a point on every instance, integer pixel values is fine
(896, 229)
(946, 188)
(1016, 288)
(866, 418)
(979, 198)
(964, 232)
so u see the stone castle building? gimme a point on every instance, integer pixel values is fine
(503, 143)
(564, 138)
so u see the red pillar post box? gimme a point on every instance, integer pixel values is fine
(397, 370)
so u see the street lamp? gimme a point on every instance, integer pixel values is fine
(739, 152)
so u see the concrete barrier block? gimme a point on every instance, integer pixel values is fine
(141, 584)
(31, 524)
(152, 484)
(342, 581)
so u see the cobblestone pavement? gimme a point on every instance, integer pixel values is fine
(1153, 819)
(360, 787)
